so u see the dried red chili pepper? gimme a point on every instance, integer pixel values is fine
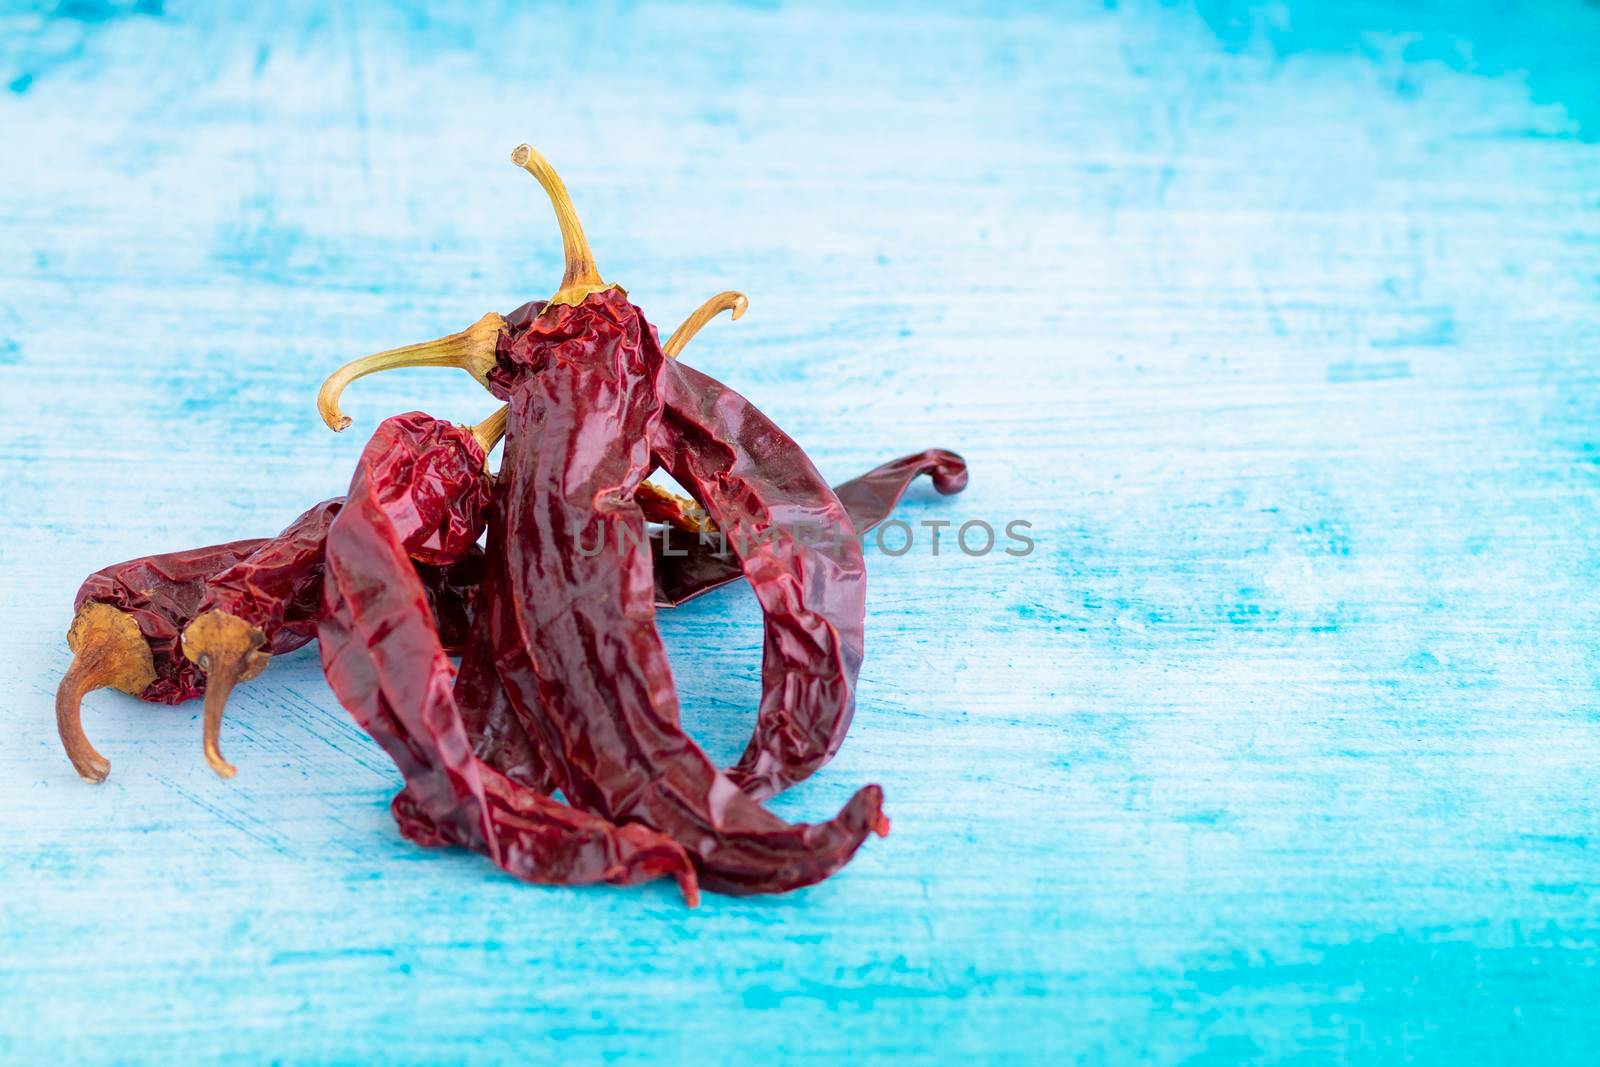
(589, 373)
(133, 620)
(584, 665)
(806, 707)
(763, 493)
(382, 656)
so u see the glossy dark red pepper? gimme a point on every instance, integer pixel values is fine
(797, 547)
(564, 684)
(577, 647)
(382, 656)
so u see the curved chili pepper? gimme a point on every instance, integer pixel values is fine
(762, 491)
(382, 657)
(130, 619)
(686, 568)
(584, 665)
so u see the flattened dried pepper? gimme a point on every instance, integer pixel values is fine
(382, 656)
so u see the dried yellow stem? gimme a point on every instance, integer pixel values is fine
(230, 651)
(581, 277)
(472, 350)
(108, 652)
(724, 301)
(488, 432)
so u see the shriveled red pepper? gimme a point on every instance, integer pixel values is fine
(795, 540)
(382, 656)
(761, 490)
(582, 661)
(135, 620)
(806, 706)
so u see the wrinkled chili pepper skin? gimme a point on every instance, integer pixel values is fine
(576, 645)
(688, 565)
(798, 548)
(165, 592)
(498, 735)
(278, 587)
(421, 482)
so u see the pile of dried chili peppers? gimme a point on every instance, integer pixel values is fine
(543, 581)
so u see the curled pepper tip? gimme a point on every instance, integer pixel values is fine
(471, 350)
(108, 652)
(950, 475)
(229, 650)
(881, 827)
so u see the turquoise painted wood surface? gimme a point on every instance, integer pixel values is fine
(1279, 322)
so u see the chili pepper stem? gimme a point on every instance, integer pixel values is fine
(472, 350)
(488, 432)
(581, 278)
(663, 504)
(728, 300)
(86, 674)
(108, 652)
(229, 650)
(220, 681)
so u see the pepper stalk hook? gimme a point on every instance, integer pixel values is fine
(230, 651)
(728, 300)
(472, 350)
(108, 651)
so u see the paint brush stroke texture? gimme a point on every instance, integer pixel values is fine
(1279, 322)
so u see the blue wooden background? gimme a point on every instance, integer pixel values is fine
(1279, 321)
